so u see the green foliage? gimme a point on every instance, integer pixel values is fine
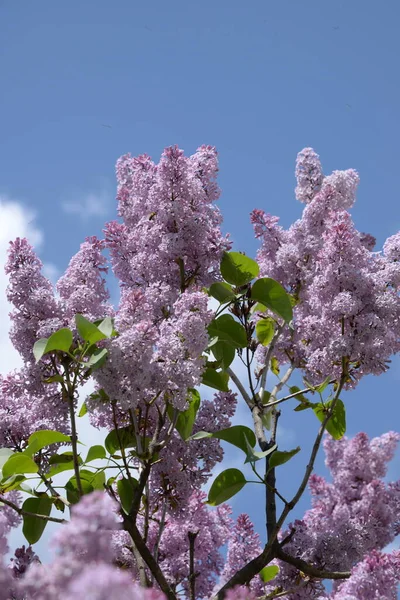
(222, 292)
(95, 453)
(275, 366)
(224, 353)
(126, 490)
(226, 484)
(226, 329)
(62, 462)
(186, 418)
(294, 389)
(217, 380)
(60, 340)
(97, 359)
(281, 457)
(123, 437)
(265, 329)
(322, 387)
(272, 295)
(17, 464)
(269, 573)
(336, 425)
(253, 456)
(238, 269)
(33, 527)
(83, 410)
(45, 437)
(88, 331)
(235, 435)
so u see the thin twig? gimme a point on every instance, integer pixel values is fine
(282, 382)
(270, 351)
(313, 456)
(310, 570)
(27, 513)
(74, 443)
(240, 387)
(52, 490)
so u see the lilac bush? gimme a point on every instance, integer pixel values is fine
(134, 520)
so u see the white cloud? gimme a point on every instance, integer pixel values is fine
(93, 204)
(15, 221)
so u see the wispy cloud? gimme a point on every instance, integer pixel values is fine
(93, 204)
(15, 221)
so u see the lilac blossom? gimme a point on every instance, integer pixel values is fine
(348, 304)
(244, 545)
(377, 577)
(31, 294)
(82, 288)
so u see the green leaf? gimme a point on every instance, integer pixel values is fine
(59, 459)
(336, 425)
(304, 406)
(34, 527)
(275, 366)
(222, 292)
(281, 457)
(62, 462)
(72, 489)
(217, 380)
(97, 359)
(268, 573)
(224, 353)
(11, 483)
(88, 331)
(126, 490)
(44, 437)
(322, 386)
(83, 410)
(236, 435)
(227, 484)
(95, 453)
(253, 456)
(60, 340)
(125, 435)
(96, 479)
(294, 390)
(265, 329)
(238, 269)
(19, 463)
(270, 293)
(258, 308)
(226, 329)
(186, 418)
(107, 327)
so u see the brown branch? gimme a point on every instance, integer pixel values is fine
(310, 570)
(240, 387)
(192, 574)
(27, 513)
(270, 480)
(74, 443)
(148, 558)
(52, 490)
(248, 571)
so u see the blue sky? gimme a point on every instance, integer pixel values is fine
(84, 82)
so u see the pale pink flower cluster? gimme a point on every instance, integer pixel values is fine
(348, 303)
